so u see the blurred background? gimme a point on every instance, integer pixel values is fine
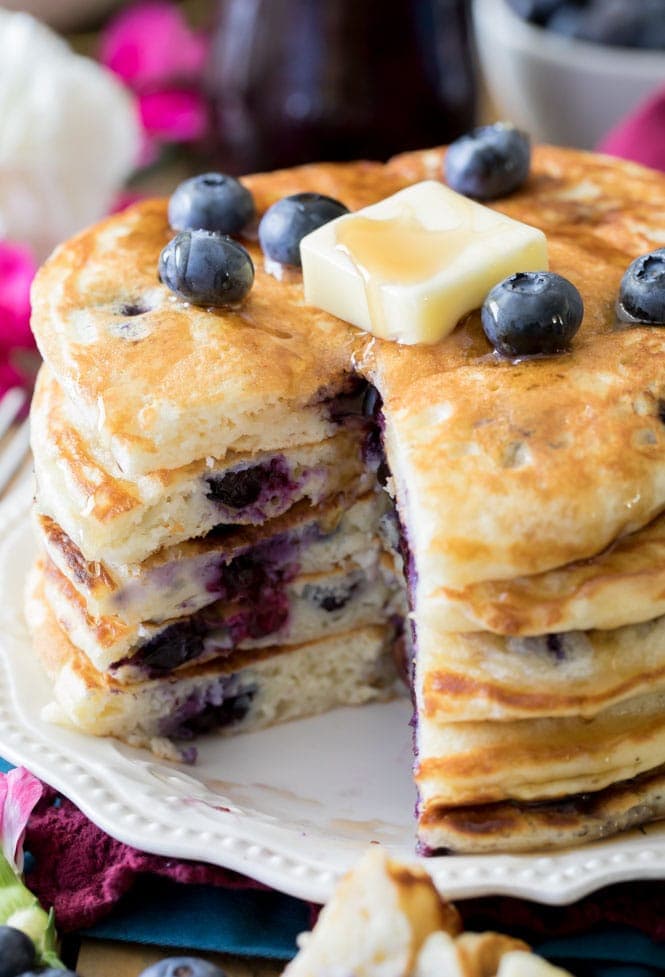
(104, 101)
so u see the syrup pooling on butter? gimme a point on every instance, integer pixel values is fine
(409, 267)
(401, 250)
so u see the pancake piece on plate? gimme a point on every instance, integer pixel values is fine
(234, 506)
(386, 919)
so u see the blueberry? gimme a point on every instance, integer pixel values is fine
(625, 23)
(206, 268)
(287, 222)
(532, 312)
(212, 717)
(237, 489)
(178, 643)
(555, 646)
(211, 202)
(183, 967)
(537, 11)
(568, 20)
(642, 290)
(488, 162)
(133, 308)
(17, 952)
(372, 402)
(333, 598)
(244, 486)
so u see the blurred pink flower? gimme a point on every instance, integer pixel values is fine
(150, 46)
(19, 792)
(17, 269)
(125, 199)
(175, 113)
(640, 135)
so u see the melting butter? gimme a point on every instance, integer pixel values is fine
(409, 267)
(399, 250)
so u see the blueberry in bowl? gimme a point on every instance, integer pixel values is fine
(642, 290)
(537, 11)
(531, 313)
(489, 162)
(183, 967)
(211, 202)
(620, 23)
(559, 74)
(287, 222)
(206, 268)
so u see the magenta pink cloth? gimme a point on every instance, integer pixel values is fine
(82, 872)
(640, 136)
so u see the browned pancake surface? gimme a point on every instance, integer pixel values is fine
(581, 818)
(570, 449)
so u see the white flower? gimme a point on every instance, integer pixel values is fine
(69, 135)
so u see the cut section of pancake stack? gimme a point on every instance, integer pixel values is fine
(171, 595)
(202, 572)
(272, 601)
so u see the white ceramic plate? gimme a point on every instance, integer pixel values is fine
(292, 806)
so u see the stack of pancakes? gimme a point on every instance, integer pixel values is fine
(531, 494)
(172, 595)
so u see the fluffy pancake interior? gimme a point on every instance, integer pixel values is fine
(254, 688)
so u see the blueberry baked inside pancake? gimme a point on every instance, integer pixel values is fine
(422, 416)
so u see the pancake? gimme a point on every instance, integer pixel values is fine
(179, 383)
(377, 921)
(483, 676)
(557, 444)
(386, 919)
(104, 513)
(560, 444)
(560, 823)
(190, 575)
(624, 584)
(250, 690)
(479, 762)
(286, 610)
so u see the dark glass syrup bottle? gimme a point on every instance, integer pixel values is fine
(294, 81)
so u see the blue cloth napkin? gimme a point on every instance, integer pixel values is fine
(265, 924)
(199, 917)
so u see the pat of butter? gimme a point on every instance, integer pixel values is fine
(409, 267)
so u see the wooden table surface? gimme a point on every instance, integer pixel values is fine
(101, 958)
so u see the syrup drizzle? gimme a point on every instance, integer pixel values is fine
(402, 251)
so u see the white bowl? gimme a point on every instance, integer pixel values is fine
(560, 90)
